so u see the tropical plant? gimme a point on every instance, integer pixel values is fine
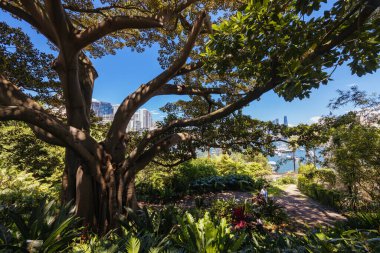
(44, 230)
(205, 236)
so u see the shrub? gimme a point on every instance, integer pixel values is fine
(324, 175)
(363, 220)
(287, 179)
(21, 191)
(191, 171)
(225, 165)
(307, 170)
(228, 182)
(331, 198)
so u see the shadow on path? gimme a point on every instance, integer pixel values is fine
(303, 211)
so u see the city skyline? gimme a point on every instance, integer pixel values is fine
(141, 120)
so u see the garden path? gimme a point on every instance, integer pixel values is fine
(304, 211)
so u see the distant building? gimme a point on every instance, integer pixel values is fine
(101, 109)
(276, 122)
(114, 108)
(140, 121)
(285, 120)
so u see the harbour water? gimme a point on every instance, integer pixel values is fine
(283, 162)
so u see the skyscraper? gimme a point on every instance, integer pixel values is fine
(100, 108)
(285, 120)
(140, 121)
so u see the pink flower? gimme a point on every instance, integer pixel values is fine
(242, 224)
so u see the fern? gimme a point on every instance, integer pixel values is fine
(133, 245)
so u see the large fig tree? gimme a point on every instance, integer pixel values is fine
(289, 46)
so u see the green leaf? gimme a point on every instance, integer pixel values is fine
(133, 245)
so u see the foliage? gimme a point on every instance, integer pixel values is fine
(332, 198)
(287, 179)
(20, 191)
(165, 183)
(168, 183)
(193, 170)
(245, 215)
(270, 40)
(20, 149)
(172, 230)
(206, 236)
(229, 182)
(20, 62)
(256, 166)
(362, 220)
(326, 176)
(43, 229)
(353, 150)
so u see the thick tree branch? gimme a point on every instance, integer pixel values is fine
(41, 18)
(100, 10)
(171, 89)
(146, 91)
(59, 20)
(70, 136)
(29, 18)
(189, 68)
(10, 95)
(159, 146)
(113, 24)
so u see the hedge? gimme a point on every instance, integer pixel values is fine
(331, 198)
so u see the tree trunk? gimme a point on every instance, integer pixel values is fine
(131, 197)
(98, 206)
(72, 163)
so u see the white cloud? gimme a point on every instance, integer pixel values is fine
(351, 85)
(155, 112)
(314, 119)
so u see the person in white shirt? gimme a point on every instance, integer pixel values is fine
(264, 193)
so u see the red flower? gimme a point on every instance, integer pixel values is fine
(238, 213)
(242, 224)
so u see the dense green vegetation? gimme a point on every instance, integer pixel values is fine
(235, 172)
(71, 184)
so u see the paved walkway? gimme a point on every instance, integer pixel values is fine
(303, 210)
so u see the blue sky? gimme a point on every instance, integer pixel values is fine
(121, 74)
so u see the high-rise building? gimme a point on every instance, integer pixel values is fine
(276, 121)
(285, 120)
(114, 108)
(101, 109)
(140, 121)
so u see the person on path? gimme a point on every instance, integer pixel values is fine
(264, 193)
